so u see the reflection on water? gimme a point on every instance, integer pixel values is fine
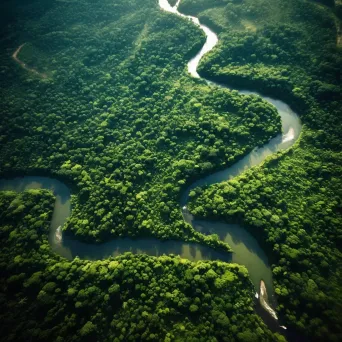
(264, 300)
(289, 135)
(58, 235)
(70, 248)
(246, 250)
(148, 246)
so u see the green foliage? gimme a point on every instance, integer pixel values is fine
(119, 119)
(292, 204)
(130, 298)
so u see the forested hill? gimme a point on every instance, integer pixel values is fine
(287, 50)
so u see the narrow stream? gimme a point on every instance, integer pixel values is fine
(247, 251)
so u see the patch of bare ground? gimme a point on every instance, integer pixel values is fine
(23, 65)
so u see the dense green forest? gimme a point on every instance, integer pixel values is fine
(118, 118)
(130, 298)
(292, 204)
(99, 97)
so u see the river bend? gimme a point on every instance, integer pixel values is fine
(246, 249)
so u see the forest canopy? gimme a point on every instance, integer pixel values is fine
(292, 204)
(97, 95)
(128, 298)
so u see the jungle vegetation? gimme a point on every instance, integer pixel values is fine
(119, 120)
(43, 297)
(292, 203)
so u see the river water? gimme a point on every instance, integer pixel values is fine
(70, 248)
(246, 249)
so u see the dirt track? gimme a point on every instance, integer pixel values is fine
(23, 65)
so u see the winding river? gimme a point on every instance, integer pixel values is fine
(246, 249)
